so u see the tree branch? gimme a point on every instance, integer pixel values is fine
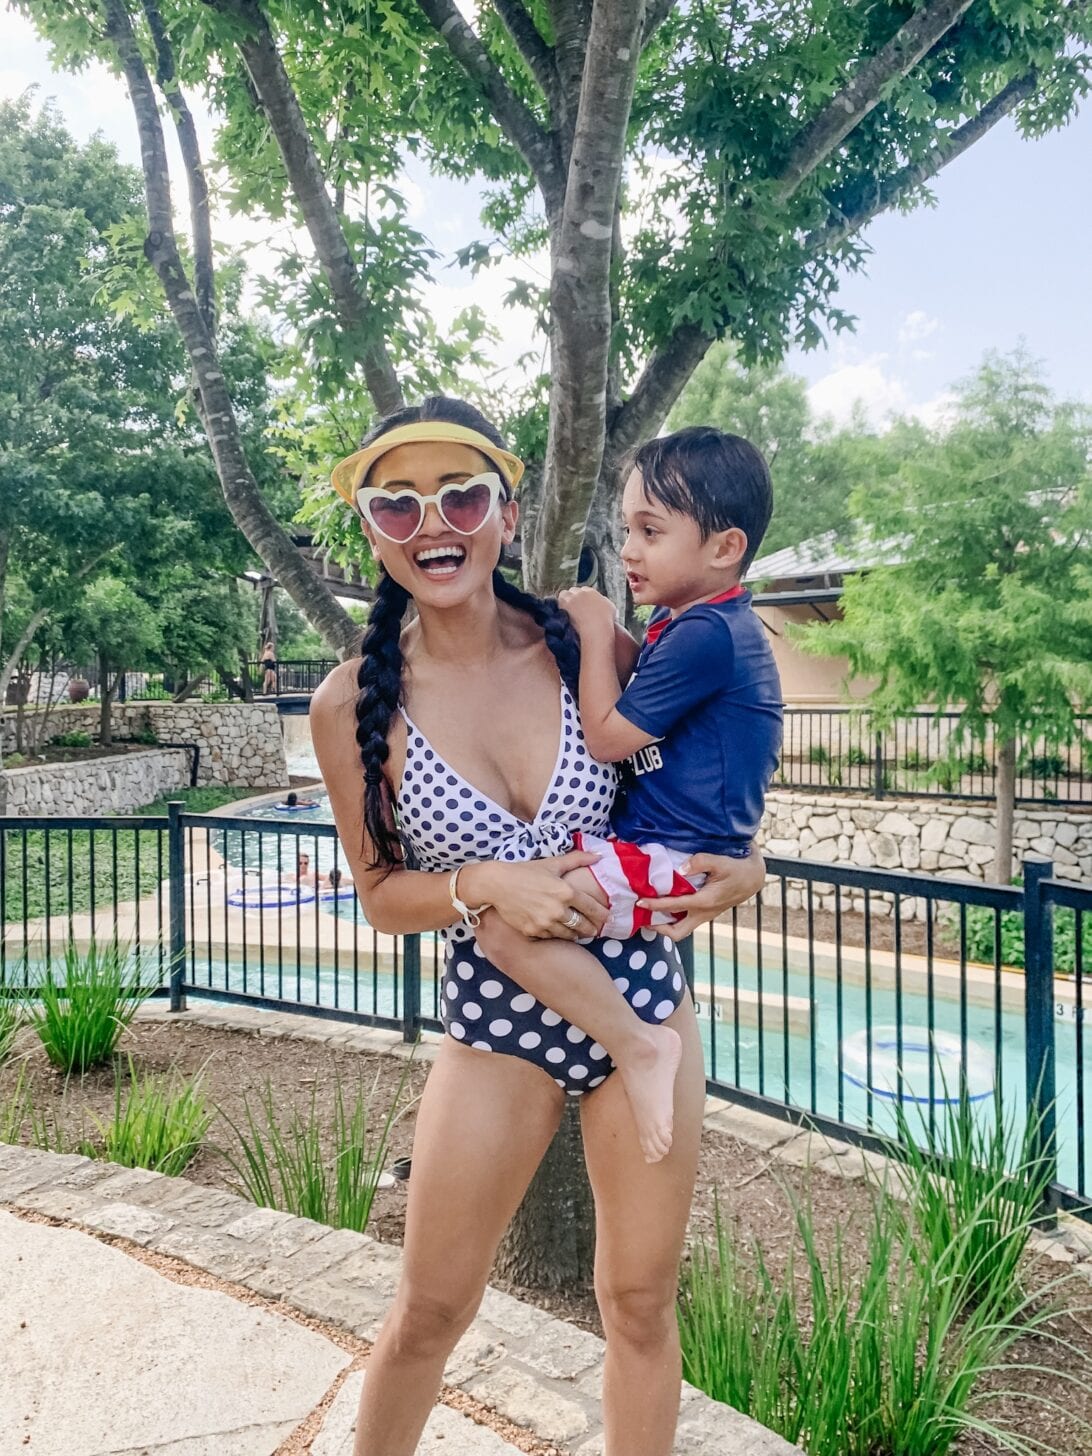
(282, 109)
(580, 304)
(261, 528)
(532, 47)
(815, 142)
(655, 15)
(953, 145)
(522, 129)
(659, 386)
(204, 280)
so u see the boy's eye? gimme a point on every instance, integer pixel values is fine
(651, 531)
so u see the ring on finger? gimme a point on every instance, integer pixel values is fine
(572, 920)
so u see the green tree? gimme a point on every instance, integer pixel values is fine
(694, 171)
(814, 465)
(988, 610)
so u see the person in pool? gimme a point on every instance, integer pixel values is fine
(292, 800)
(463, 721)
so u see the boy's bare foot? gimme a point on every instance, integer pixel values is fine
(648, 1074)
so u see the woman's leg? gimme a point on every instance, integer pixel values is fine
(641, 1215)
(569, 980)
(484, 1122)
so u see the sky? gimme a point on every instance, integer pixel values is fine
(1002, 258)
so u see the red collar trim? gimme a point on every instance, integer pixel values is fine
(657, 629)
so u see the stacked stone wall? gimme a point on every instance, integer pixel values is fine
(94, 786)
(950, 839)
(240, 743)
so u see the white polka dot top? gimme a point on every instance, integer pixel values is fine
(447, 821)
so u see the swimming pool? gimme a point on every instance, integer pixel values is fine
(769, 1024)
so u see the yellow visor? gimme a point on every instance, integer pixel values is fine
(349, 474)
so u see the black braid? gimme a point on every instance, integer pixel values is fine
(380, 682)
(560, 637)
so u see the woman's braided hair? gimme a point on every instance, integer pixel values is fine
(380, 676)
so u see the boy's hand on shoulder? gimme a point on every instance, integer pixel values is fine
(588, 610)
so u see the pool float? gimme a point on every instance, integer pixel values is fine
(343, 892)
(296, 808)
(279, 896)
(872, 1063)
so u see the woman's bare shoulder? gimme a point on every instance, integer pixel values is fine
(337, 691)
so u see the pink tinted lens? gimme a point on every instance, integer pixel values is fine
(464, 508)
(398, 517)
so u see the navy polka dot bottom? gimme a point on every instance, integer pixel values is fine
(485, 1009)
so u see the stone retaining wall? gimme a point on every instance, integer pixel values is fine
(112, 785)
(241, 743)
(947, 838)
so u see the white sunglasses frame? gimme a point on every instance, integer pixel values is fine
(367, 493)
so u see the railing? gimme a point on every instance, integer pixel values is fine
(838, 992)
(301, 675)
(833, 749)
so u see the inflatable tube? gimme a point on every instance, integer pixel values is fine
(294, 808)
(872, 1063)
(270, 897)
(343, 892)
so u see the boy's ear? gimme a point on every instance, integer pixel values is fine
(730, 547)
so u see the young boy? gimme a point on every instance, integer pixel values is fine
(699, 723)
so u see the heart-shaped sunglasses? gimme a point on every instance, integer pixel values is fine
(464, 506)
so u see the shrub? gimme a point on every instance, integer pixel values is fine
(71, 740)
(19, 1116)
(858, 757)
(916, 761)
(282, 1159)
(80, 1016)
(984, 925)
(1045, 766)
(161, 1124)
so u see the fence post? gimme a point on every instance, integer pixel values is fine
(877, 768)
(1039, 1026)
(411, 987)
(176, 860)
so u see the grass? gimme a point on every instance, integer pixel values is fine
(160, 1123)
(889, 1358)
(10, 1022)
(71, 871)
(84, 1002)
(329, 1174)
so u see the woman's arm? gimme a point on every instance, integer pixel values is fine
(533, 898)
(728, 883)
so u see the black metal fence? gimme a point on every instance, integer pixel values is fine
(838, 994)
(833, 749)
(301, 675)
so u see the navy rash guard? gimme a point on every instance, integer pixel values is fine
(706, 686)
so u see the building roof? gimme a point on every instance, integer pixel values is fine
(823, 555)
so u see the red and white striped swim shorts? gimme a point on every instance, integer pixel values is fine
(627, 873)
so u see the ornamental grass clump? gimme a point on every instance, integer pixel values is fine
(10, 1022)
(160, 1122)
(975, 1182)
(85, 1001)
(324, 1171)
(886, 1353)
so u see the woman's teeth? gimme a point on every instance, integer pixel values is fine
(441, 560)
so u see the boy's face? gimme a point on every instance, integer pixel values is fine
(667, 563)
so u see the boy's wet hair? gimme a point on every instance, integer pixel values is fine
(717, 480)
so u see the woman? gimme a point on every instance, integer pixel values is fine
(466, 727)
(268, 665)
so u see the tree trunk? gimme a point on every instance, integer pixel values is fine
(248, 507)
(1006, 806)
(106, 701)
(550, 1244)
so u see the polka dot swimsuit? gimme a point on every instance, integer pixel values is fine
(448, 822)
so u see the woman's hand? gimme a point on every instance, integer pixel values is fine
(728, 882)
(534, 898)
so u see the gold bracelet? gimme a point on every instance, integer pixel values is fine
(471, 915)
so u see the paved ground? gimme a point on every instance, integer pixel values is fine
(141, 1314)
